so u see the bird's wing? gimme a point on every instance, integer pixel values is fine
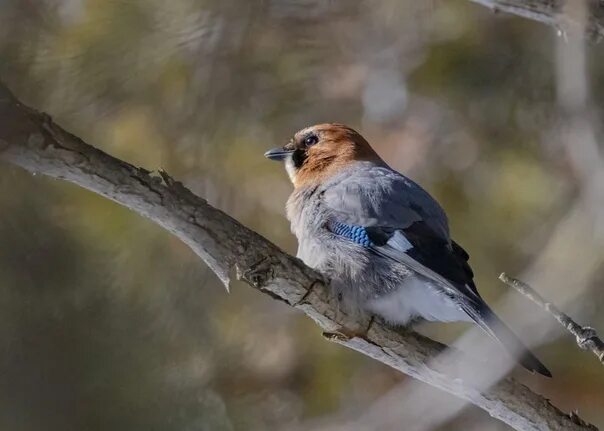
(402, 222)
(396, 219)
(419, 248)
(379, 196)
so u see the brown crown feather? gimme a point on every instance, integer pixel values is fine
(338, 147)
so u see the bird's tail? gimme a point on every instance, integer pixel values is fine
(492, 325)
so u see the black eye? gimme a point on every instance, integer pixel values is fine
(311, 139)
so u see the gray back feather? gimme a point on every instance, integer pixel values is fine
(367, 194)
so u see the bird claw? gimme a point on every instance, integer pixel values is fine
(258, 273)
(344, 333)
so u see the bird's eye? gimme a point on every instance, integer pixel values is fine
(311, 140)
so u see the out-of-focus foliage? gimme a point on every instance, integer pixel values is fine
(107, 322)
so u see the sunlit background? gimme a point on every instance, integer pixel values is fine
(109, 323)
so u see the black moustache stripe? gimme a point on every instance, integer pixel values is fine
(299, 157)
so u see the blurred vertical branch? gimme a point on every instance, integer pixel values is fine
(578, 135)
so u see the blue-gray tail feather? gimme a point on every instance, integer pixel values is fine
(492, 325)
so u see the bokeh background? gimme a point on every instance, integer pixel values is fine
(109, 323)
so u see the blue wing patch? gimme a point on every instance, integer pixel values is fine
(356, 234)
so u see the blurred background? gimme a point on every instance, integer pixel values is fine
(108, 322)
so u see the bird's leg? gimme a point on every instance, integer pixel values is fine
(347, 333)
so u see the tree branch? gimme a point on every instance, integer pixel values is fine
(30, 139)
(551, 12)
(587, 337)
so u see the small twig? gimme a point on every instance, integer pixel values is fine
(587, 337)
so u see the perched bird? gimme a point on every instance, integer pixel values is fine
(382, 240)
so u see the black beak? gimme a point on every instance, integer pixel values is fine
(277, 153)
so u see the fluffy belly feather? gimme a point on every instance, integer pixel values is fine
(415, 298)
(377, 285)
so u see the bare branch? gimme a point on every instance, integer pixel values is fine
(30, 139)
(587, 337)
(551, 12)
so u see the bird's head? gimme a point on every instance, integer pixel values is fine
(318, 152)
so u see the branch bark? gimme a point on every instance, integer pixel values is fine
(550, 12)
(31, 139)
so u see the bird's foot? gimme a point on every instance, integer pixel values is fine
(258, 273)
(344, 333)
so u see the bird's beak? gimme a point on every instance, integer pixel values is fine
(278, 153)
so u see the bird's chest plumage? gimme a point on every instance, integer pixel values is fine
(318, 246)
(354, 271)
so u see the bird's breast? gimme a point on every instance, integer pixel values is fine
(319, 247)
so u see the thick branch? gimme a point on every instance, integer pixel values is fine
(31, 140)
(586, 336)
(550, 12)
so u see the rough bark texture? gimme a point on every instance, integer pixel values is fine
(31, 140)
(551, 12)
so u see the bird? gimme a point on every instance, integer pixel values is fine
(381, 239)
